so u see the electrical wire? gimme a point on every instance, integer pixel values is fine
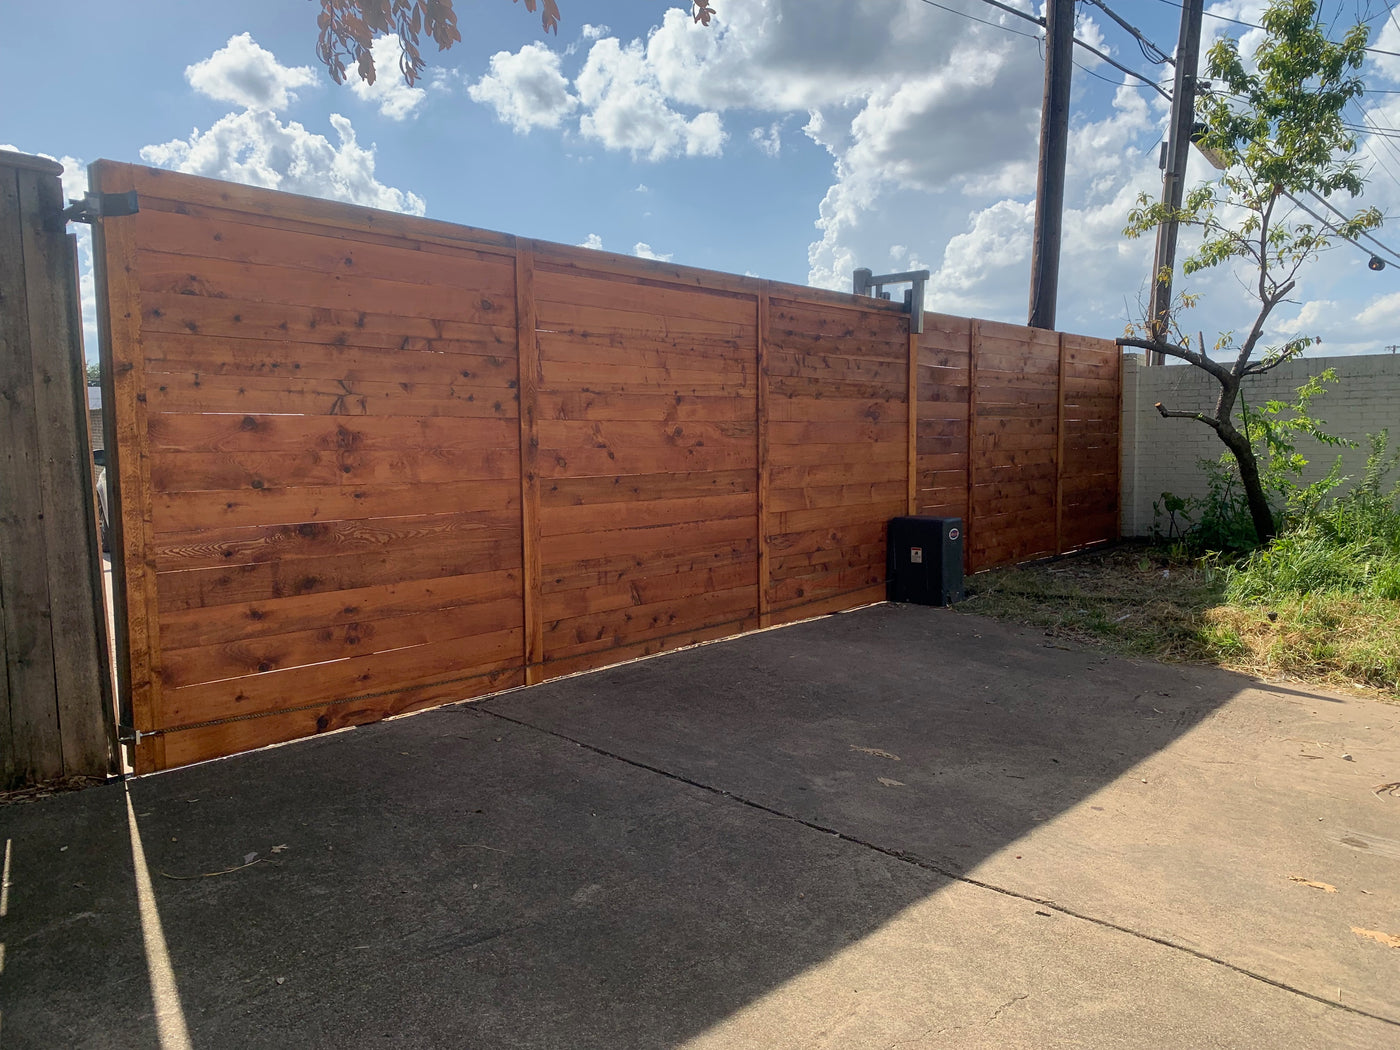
(1150, 51)
(986, 22)
(1328, 226)
(1365, 233)
(1255, 25)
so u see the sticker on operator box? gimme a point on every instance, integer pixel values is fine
(916, 555)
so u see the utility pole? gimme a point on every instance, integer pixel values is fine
(1183, 116)
(1050, 179)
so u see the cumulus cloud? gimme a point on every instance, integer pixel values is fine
(245, 74)
(625, 108)
(642, 250)
(257, 149)
(526, 88)
(394, 98)
(769, 140)
(593, 241)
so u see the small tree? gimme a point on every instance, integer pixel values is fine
(1280, 131)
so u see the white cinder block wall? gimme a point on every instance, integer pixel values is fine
(1160, 455)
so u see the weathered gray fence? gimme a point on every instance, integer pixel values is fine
(56, 712)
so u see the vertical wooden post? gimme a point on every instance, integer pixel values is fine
(974, 347)
(128, 468)
(528, 347)
(1060, 451)
(913, 501)
(765, 569)
(1118, 444)
(56, 712)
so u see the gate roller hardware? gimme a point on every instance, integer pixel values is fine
(94, 206)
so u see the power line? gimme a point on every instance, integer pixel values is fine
(1328, 226)
(1039, 22)
(1338, 211)
(1150, 51)
(1255, 25)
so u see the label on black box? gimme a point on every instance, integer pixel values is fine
(916, 555)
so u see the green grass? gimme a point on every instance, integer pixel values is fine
(1159, 603)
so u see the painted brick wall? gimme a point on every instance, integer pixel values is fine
(1161, 455)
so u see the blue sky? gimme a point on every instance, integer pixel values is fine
(795, 139)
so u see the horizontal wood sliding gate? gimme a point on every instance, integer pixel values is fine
(370, 463)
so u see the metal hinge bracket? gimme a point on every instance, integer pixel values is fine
(93, 206)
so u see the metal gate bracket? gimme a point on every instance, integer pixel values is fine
(866, 283)
(96, 206)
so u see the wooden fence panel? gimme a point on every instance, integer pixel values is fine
(648, 462)
(837, 412)
(321, 461)
(56, 712)
(370, 463)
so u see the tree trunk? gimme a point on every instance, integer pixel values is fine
(1259, 510)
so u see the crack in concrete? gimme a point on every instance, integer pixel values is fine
(947, 873)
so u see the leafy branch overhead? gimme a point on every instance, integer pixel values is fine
(348, 28)
(1278, 126)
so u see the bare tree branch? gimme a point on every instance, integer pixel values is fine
(1167, 413)
(1182, 353)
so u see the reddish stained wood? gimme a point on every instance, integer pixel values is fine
(528, 350)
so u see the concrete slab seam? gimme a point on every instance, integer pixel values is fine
(926, 865)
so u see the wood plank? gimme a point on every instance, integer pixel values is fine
(196, 745)
(205, 394)
(173, 313)
(181, 188)
(1060, 454)
(823, 583)
(419, 558)
(196, 471)
(485, 301)
(891, 410)
(231, 238)
(609, 378)
(222, 356)
(175, 512)
(584, 323)
(611, 567)
(419, 665)
(626, 488)
(613, 628)
(807, 608)
(835, 517)
(831, 368)
(676, 353)
(571, 289)
(246, 656)
(528, 349)
(564, 551)
(974, 458)
(613, 447)
(829, 431)
(864, 555)
(878, 456)
(911, 398)
(642, 407)
(650, 647)
(858, 534)
(763, 358)
(262, 433)
(646, 590)
(815, 496)
(643, 514)
(26, 642)
(121, 311)
(328, 610)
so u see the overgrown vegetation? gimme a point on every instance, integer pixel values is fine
(1320, 603)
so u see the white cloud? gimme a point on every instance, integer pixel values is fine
(642, 188)
(625, 108)
(257, 149)
(642, 250)
(769, 140)
(592, 32)
(526, 88)
(245, 74)
(395, 99)
(593, 241)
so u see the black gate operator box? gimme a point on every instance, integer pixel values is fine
(925, 560)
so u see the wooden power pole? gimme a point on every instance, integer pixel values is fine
(1050, 180)
(1183, 116)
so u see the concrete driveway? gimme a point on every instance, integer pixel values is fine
(898, 827)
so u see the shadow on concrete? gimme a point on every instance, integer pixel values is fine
(618, 859)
